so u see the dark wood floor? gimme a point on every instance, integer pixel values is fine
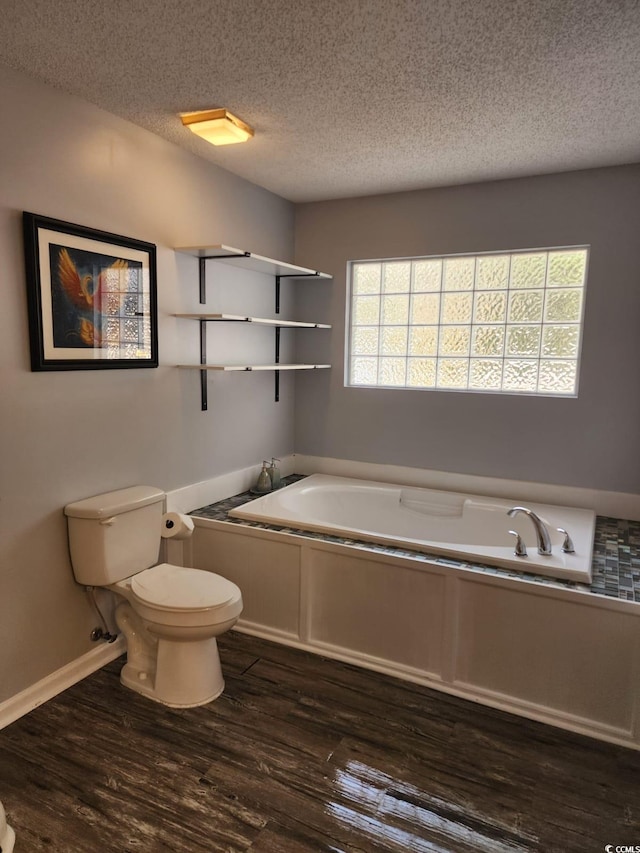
(305, 754)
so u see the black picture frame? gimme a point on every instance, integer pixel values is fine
(91, 295)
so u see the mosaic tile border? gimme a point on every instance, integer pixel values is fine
(616, 553)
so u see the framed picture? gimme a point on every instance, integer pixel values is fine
(91, 297)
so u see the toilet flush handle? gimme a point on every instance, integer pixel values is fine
(108, 521)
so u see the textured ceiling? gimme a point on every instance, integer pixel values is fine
(353, 97)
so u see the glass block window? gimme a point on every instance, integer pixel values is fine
(499, 323)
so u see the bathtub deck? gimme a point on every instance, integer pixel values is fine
(616, 554)
(306, 755)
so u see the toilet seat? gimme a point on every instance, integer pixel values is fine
(174, 588)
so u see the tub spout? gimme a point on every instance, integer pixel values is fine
(542, 534)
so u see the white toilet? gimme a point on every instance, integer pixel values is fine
(170, 616)
(7, 835)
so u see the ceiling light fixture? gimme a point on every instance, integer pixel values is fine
(219, 127)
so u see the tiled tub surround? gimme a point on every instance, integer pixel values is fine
(560, 652)
(616, 550)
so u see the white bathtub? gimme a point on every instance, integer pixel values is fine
(464, 526)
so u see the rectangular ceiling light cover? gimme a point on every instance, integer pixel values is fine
(219, 127)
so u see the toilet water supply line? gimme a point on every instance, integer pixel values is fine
(99, 633)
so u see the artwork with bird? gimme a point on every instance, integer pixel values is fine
(86, 288)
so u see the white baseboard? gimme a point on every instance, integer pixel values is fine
(24, 702)
(612, 504)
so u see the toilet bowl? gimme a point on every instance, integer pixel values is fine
(7, 835)
(170, 616)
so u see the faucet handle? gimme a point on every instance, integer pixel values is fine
(567, 545)
(521, 548)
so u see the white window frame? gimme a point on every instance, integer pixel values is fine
(510, 362)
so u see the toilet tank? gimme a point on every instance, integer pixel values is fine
(116, 535)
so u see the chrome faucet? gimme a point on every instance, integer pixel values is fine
(520, 548)
(542, 534)
(567, 545)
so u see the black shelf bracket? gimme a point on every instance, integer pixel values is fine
(202, 270)
(278, 277)
(202, 277)
(202, 281)
(277, 380)
(203, 360)
(277, 373)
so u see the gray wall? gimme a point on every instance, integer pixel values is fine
(591, 441)
(68, 435)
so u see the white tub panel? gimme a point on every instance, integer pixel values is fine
(377, 609)
(267, 572)
(560, 655)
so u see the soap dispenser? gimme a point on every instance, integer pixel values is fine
(264, 480)
(274, 473)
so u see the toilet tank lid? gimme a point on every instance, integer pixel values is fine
(114, 503)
